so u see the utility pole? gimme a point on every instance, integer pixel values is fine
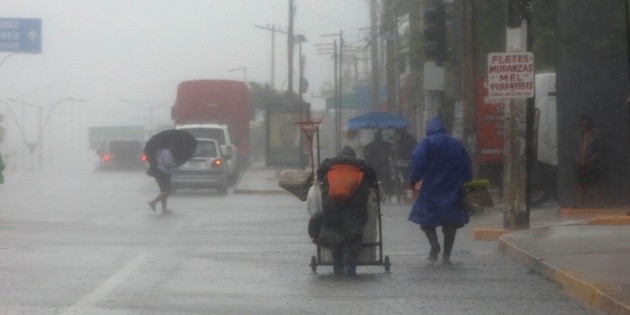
(290, 40)
(340, 91)
(273, 31)
(338, 87)
(434, 29)
(390, 26)
(337, 104)
(374, 52)
(519, 134)
(300, 38)
(469, 77)
(337, 130)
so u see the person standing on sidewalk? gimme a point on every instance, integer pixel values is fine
(439, 168)
(165, 166)
(589, 171)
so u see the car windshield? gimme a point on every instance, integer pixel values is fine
(206, 149)
(208, 133)
(125, 147)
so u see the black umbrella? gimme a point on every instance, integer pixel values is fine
(182, 143)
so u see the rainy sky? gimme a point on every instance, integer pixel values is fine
(122, 55)
(139, 50)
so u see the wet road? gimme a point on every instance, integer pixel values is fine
(85, 244)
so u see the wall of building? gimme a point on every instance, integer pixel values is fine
(592, 78)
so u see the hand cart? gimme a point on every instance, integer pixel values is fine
(372, 240)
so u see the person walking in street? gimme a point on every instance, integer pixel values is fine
(165, 166)
(439, 168)
(589, 171)
(405, 144)
(345, 183)
(377, 154)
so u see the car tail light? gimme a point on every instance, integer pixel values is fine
(217, 163)
(106, 157)
(144, 158)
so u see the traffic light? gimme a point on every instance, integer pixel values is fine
(435, 31)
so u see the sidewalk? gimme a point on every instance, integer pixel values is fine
(588, 262)
(259, 180)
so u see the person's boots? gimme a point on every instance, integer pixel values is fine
(435, 245)
(351, 262)
(449, 240)
(337, 256)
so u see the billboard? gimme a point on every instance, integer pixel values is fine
(284, 147)
(511, 75)
(20, 35)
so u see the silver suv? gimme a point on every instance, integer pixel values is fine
(207, 168)
(221, 134)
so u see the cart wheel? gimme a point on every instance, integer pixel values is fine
(387, 263)
(314, 264)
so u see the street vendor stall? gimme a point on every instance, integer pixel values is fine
(398, 165)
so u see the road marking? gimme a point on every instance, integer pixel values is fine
(82, 306)
(87, 302)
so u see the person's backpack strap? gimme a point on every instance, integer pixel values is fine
(343, 181)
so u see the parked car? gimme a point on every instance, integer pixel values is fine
(207, 168)
(121, 155)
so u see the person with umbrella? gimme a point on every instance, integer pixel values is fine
(166, 151)
(165, 166)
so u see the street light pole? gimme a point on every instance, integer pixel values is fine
(299, 38)
(41, 124)
(151, 109)
(338, 89)
(244, 69)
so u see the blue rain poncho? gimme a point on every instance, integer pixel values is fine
(442, 164)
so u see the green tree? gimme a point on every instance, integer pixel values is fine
(261, 94)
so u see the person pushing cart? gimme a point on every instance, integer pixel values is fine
(347, 185)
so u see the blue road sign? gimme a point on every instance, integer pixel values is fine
(20, 35)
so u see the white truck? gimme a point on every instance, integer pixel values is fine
(545, 167)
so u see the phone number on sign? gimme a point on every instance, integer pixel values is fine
(512, 86)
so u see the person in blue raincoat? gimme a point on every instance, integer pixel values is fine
(439, 168)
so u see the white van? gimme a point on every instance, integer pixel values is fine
(219, 133)
(547, 146)
(545, 169)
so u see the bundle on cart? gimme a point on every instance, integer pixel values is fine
(297, 182)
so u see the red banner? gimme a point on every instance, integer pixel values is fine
(490, 113)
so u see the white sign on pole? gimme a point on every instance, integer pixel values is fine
(511, 75)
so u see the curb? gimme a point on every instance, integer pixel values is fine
(261, 192)
(612, 220)
(488, 234)
(590, 213)
(597, 297)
